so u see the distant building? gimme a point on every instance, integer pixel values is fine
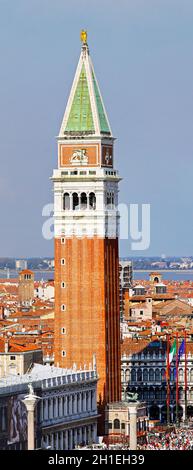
(143, 369)
(139, 290)
(160, 288)
(16, 359)
(21, 264)
(66, 413)
(125, 282)
(26, 287)
(141, 311)
(44, 291)
(126, 273)
(155, 277)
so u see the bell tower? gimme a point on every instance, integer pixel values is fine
(87, 317)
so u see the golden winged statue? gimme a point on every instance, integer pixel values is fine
(83, 36)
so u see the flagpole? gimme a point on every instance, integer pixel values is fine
(168, 381)
(185, 381)
(177, 391)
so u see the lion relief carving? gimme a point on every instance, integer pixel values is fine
(79, 157)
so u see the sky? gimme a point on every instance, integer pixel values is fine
(143, 57)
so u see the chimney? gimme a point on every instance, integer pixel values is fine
(6, 346)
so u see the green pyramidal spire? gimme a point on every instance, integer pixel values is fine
(80, 117)
(85, 112)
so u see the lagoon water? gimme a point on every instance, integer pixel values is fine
(137, 275)
(170, 275)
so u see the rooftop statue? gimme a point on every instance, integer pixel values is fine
(83, 36)
(31, 390)
(133, 397)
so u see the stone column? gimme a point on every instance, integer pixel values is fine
(56, 407)
(66, 439)
(41, 411)
(51, 408)
(84, 401)
(75, 404)
(65, 405)
(89, 400)
(57, 441)
(75, 437)
(30, 403)
(80, 436)
(61, 440)
(79, 403)
(60, 414)
(70, 405)
(46, 409)
(133, 425)
(84, 435)
(70, 439)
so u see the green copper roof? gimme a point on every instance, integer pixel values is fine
(102, 118)
(80, 118)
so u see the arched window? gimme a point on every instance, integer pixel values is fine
(191, 375)
(157, 394)
(151, 375)
(122, 375)
(116, 424)
(181, 393)
(145, 375)
(157, 375)
(133, 376)
(92, 201)
(191, 394)
(108, 199)
(181, 375)
(83, 201)
(66, 201)
(151, 393)
(139, 375)
(145, 393)
(75, 201)
(127, 375)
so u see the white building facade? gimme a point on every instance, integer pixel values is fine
(66, 412)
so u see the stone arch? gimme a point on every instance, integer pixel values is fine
(116, 424)
(83, 201)
(66, 201)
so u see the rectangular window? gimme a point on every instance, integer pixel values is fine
(63, 308)
(12, 358)
(63, 240)
(64, 173)
(63, 353)
(63, 285)
(63, 261)
(63, 331)
(141, 312)
(83, 173)
(92, 172)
